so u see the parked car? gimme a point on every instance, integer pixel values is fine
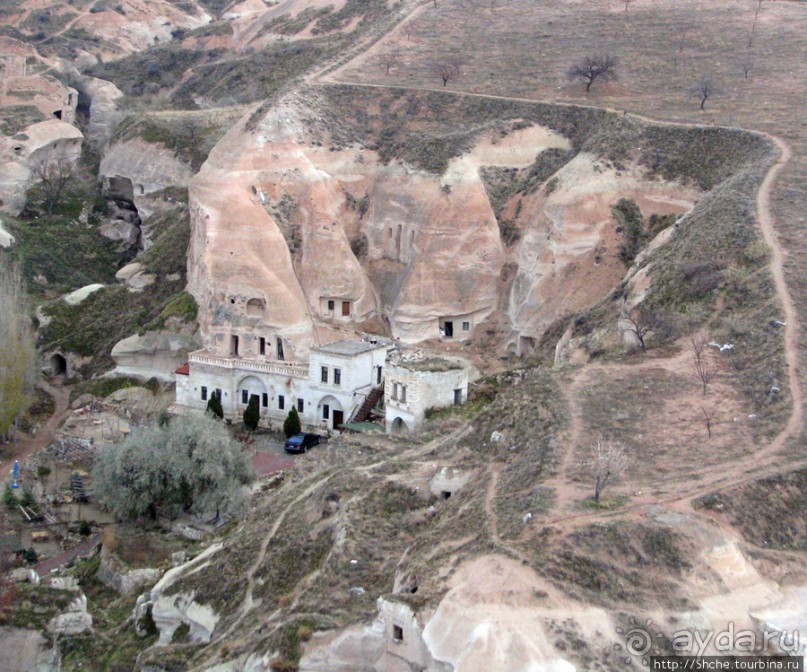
(299, 443)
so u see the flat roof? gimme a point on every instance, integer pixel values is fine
(347, 348)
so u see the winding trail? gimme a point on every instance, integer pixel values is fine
(761, 463)
(21, 449)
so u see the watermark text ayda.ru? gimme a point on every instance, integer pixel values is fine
(642, 639)
(698, 643)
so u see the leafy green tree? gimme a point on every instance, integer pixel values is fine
(17, 351)
(190, 464)
(9, 497)
(28, 498)
(214, 406)
(252, 414)
(292, 425)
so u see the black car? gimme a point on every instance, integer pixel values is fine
(299, 443)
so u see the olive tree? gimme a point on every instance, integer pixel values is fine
(17, 351)
(190, 464)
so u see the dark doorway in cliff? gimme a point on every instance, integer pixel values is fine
(58, 365)
(448, 329)
(58, 114)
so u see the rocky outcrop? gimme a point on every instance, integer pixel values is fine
(47, 141)
(75, 619)
(137, 170)
(121, 579)
(104, 113)
(6, 239)
(169, 611)
(77, 296)
(783, 622)
(155, 354)
(27, 651)
(285, 220)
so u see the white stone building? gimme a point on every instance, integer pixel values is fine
(327, 391)
(417, 381)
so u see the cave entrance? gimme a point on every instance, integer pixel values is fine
(58, 364)
(120, 188)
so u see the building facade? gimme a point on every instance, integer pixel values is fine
(417, 382)
(326, 391)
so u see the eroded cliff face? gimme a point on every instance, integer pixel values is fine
(298, 236)
(499, 614)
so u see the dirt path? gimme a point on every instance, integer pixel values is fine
(21, 449)
(762, 462)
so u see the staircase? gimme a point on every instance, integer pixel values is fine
(362, 412)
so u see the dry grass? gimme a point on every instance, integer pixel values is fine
(524, 49)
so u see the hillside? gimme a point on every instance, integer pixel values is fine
(244, 165)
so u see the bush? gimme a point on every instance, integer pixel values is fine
(252, 414)
(214, 407)
(27, 498)
(84, 528)
(9, 497)
(292, 425)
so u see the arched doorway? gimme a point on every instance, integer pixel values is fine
(249, 387)
(58, 364)
(398, 426)
(330, 413)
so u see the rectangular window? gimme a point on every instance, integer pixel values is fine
(265, 400)
(395, 391)
(280, 349)
(337, 376)
(403, 394)
(281, 401)
(263, 345)
(457, 397)
(300, 405)
(204, 393)
(244, 396)
(326, 412)
(324, 374)
(234, 346)
(397, 633)
(345, 308)
(466, 326)
(331, 305)
(218, 393)
(380, 373)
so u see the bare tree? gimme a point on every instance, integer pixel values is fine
(409, 30)
(627, 4)
(681, 43)
(643, 323)
(54, 174)
(389, 59)
(592, 68)
(747, 64)
(757, 10)
(708, 417)
(703, 365)
(703, 90)
(447, 69)
(608, 462)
